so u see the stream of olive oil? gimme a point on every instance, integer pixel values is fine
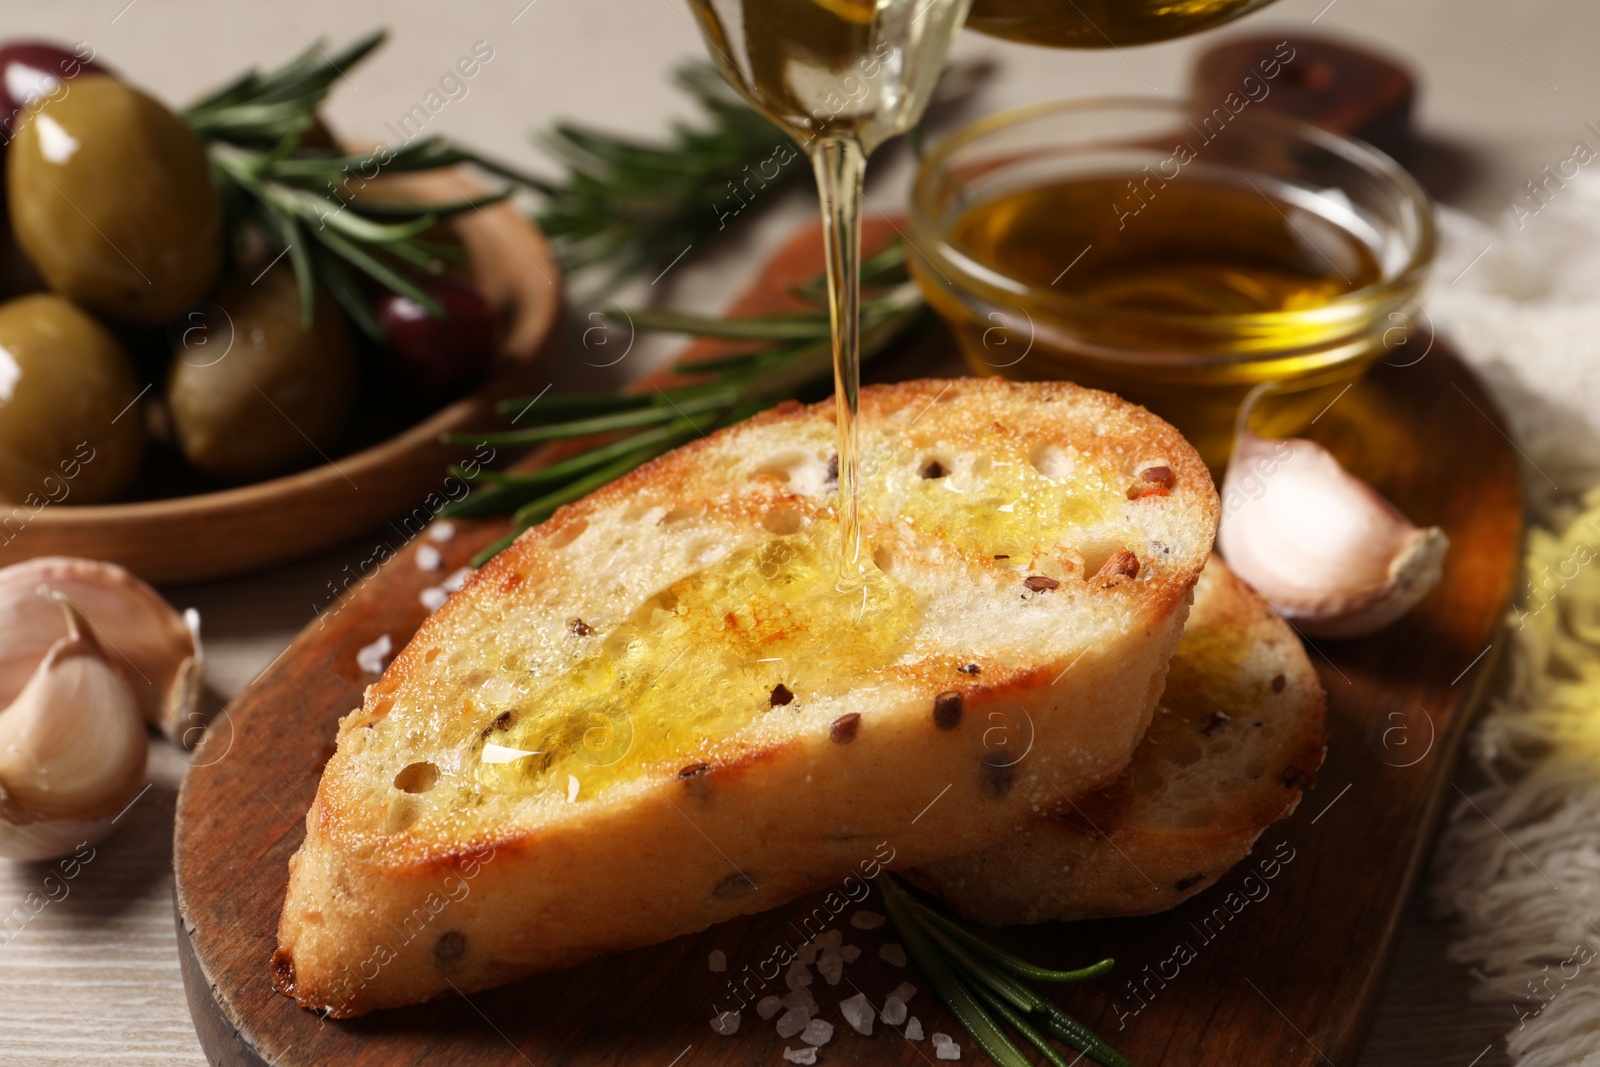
(1180, 296)
(811, 66)
(841, 77)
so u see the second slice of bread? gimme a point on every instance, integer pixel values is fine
(656, 710)
(1237, 737)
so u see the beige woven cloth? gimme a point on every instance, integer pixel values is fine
(1520, 861)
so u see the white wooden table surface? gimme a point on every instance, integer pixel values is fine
(92, 976)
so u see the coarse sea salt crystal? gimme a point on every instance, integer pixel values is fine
(914, 1029)
(849, 953)
(800, 1055)
(800, 998)
(767, 1007)
(798, 975)
(866, 920)
(792, 1022)
(817, 1032)
(894, 1011)
(945, 1049)
(726, 1024)
(433, 598)
(428, 558)
(807, 953)
(457, 579)
(831, 939)
(892, 953)
(831, 966)
(442, 531)
(371, 658)
(857, 1011)
(904, 992)
(718, 960)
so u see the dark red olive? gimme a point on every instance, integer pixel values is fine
(439, 356)
(33, 70)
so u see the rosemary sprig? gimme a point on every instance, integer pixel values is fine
(790, 356)
(979, 981)
(305, 201)
(641, 204)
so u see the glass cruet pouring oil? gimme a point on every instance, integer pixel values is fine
(840, 77)
(1102, 23)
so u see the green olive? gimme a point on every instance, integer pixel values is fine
(69, 430)
(111, 198)
(254, 393)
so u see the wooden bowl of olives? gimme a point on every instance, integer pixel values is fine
(207, 364)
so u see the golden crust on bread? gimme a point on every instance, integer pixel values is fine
(1237, 737)
(476, 822)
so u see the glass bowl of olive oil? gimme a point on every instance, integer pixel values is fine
(1175, 255)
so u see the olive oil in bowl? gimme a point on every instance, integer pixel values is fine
(1112, 245)
(1203, 248)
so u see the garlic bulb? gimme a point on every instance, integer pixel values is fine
(156, 649)
(72, 746)
(1334, 557)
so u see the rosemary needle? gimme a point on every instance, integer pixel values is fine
(583, 461)
(508, 491)
(1019, 967)
(597, 424)
(1020, 1025)
(975, 978)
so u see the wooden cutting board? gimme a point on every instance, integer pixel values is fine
(1284, 971)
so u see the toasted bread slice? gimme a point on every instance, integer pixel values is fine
(1237, 736)
(657, 710)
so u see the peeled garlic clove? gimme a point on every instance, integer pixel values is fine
(72, 745)
(156, 649)
(1329, 553)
